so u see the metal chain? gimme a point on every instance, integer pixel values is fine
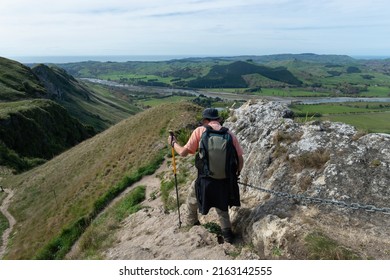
(341, 204)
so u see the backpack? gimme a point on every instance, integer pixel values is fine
(217, 156)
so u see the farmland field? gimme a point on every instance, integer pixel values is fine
(368, 116)
(370, 122)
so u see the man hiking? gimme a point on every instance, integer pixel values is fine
(219, 161)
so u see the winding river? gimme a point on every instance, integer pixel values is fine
(235, 96)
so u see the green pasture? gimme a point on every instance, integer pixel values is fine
(118, 76)
(368, 116)
(377, 91)
(341, 108)
(358, 78)
(370, 122)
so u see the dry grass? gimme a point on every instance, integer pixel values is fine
(359, 134)
(305, 182)
(315, 159)
(282, 140)
(77, 178)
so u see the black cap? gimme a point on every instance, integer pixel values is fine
(210, 113)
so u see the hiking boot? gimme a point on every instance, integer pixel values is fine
(228, 235)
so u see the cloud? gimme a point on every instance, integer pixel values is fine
(190, 26)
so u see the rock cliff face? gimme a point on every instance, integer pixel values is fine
(59, 84)
(316, 159)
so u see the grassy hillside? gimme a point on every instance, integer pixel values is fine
(51, 199)
(33, 128)
(39, 128)
(95, 106)
(18, 82)
(366, 116)
(36, 128)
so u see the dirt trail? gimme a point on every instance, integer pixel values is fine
(153, 233)
(11, 220)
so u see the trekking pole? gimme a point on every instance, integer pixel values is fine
(174, 173)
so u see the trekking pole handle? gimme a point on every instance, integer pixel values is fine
(172, 137)
(173, 152)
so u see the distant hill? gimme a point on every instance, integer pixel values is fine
(308, 57)
(325, 73)
(231, 75)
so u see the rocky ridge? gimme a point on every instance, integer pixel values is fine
(328, 160)
(325, 160)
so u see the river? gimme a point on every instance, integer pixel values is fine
(235, 96)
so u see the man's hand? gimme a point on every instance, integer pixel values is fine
(171, 140)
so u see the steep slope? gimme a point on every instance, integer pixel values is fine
(69, 190)
(91, 107)
(39, 128)
(32, 129)
(59, 84)
(18, 82)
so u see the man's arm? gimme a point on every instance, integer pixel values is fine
(240, 163)
(182, 151)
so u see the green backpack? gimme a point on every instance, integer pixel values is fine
(217, 157)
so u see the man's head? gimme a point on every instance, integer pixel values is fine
(210, 114)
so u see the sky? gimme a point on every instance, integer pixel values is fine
(193, 27)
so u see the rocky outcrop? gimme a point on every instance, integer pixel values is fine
(316, 159)
(59, 84)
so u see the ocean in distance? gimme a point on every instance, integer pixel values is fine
(113, 58)
(125, 58)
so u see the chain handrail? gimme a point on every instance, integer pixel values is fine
(341, 204)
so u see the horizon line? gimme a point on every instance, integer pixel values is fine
(30, 59)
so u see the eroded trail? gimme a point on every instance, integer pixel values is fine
(11, 220)
(152, 184)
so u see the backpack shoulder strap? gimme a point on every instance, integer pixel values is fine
(223, 129)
